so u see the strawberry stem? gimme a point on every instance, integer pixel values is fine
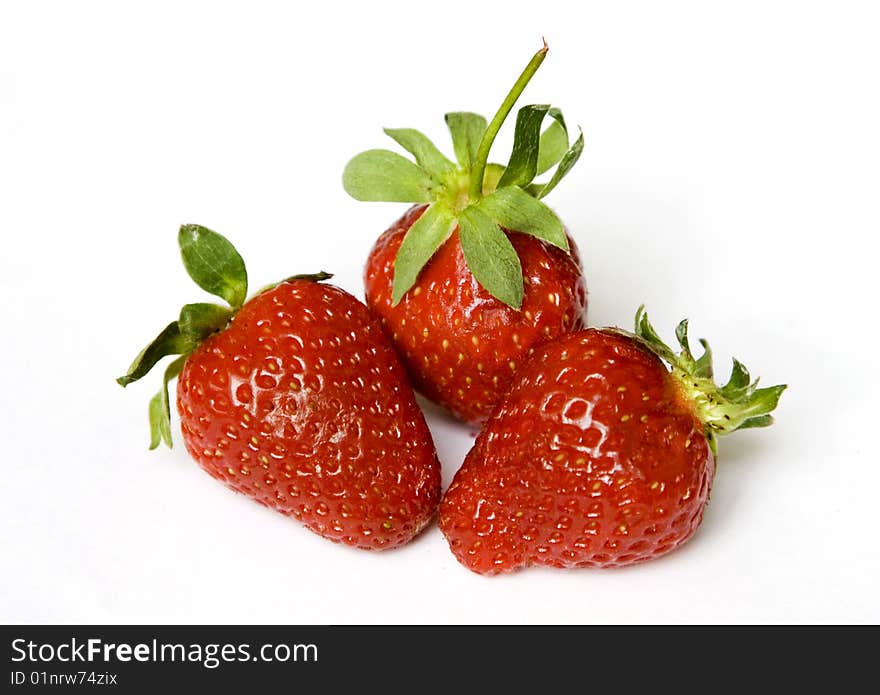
(482, 157)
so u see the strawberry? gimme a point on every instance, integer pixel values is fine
(295, 398)
(480, 272)
(599, 456)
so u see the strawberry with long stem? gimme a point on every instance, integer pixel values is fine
(480, 271)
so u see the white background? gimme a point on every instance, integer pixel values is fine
(731, 175)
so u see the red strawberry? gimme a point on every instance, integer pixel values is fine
(479, 274)
(462, 346)
(599, 456)
(296, 399)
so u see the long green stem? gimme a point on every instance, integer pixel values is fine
(479, 168)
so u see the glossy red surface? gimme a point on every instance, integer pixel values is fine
(461, 346)
(594, 459)
(302, 405)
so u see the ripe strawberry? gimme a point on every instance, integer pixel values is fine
(599, 456)
(296, 399)
(469, 284)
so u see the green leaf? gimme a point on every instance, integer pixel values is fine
(759, 421)
(568, 161)
(200, 320)
(467, 130)
(738, 383)
(554, 142)
(491, 257)
(681, 335)
(763, 401)
(169, 342)
(213, 263)
(645, 331)
(422, 240)
(320, 276)
(426, 153)
(523, 164)
(703, 367)
(534, 189)
(160, 407)
(382, 175)
(160, 429)
(513, 208)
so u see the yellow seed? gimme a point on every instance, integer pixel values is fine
(479, 366)
(687, 443)
(655, 485)
(621, 389)
(417, 291)
(425, 332)
(475, 340)
(597, 485)
(445, 343)
(644, 418)
(512, 365)
(468, 380)
(624, 418)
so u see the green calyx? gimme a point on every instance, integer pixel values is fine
(473, 194)
(737, 405)
(215, 266)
